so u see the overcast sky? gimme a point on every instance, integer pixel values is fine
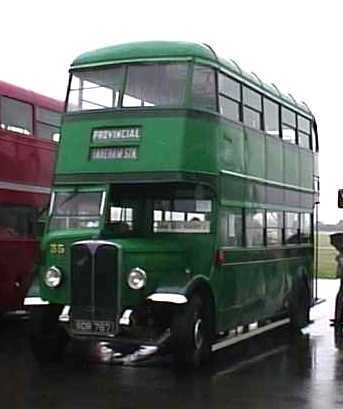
(295, 44)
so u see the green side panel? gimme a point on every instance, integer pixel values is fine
(291, 164)
(231, 148)
(306, 168)
(274, 159)
(185, 143)
(255, 154)
(233, 190)
(200, 145)
(254, 282)
(255, 193)
(167, 144)
(163, 135)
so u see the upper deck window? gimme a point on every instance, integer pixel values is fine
(155, 85)
(95, 89)
(145, 85)
(288, 125)
(48, 124)
(16, 116)
(252, 109)
(229, 97)
(271, 117)
(204, 88)
(304, 132)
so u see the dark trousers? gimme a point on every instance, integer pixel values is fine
(339, 305)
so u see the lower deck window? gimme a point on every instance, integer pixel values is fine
(291, 228)
(17, 221)
(121, 219)
(254, 223)
(274, 228)
(305, 228)
(182, 216)
(231, 227)
(257, 227)
(143, 209)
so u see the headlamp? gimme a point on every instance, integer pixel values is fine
(137, 278)
(53, 277)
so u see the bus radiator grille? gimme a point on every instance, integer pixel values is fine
(94, 282)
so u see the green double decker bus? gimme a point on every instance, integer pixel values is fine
(183, 203)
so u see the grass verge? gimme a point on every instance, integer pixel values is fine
(326, 257)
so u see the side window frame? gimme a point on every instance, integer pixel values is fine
(264, 116)
(231, 98)
(246, 105)
(18, 129)
(225, 221)
(215, 90)
(39, 121)
(303, 238)
(293, 127)
(278, 228)
(303, 131)
(293, 228)
(262, 228)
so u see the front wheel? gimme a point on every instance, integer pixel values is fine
(47, 338)
(192, 334)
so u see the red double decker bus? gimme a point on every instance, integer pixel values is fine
(29, 130)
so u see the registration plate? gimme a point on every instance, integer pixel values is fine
(93, 327)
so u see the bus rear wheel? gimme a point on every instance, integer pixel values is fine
(47, 338)
(191, 329)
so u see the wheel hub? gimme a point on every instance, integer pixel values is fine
(198, 333)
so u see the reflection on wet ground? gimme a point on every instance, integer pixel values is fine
(277, 370)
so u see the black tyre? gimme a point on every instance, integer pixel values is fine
(192, 333)
(299, 306)
(47, 338)
(338, 321)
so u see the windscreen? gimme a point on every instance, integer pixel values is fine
(155, 85)
(95, 89)
(128, 85)
(72, 210)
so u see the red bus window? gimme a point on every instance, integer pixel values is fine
(48, 124)
(16, 116)
(17, 221)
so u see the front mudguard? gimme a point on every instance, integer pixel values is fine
(180, 292)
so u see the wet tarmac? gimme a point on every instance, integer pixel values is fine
(276, 370)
